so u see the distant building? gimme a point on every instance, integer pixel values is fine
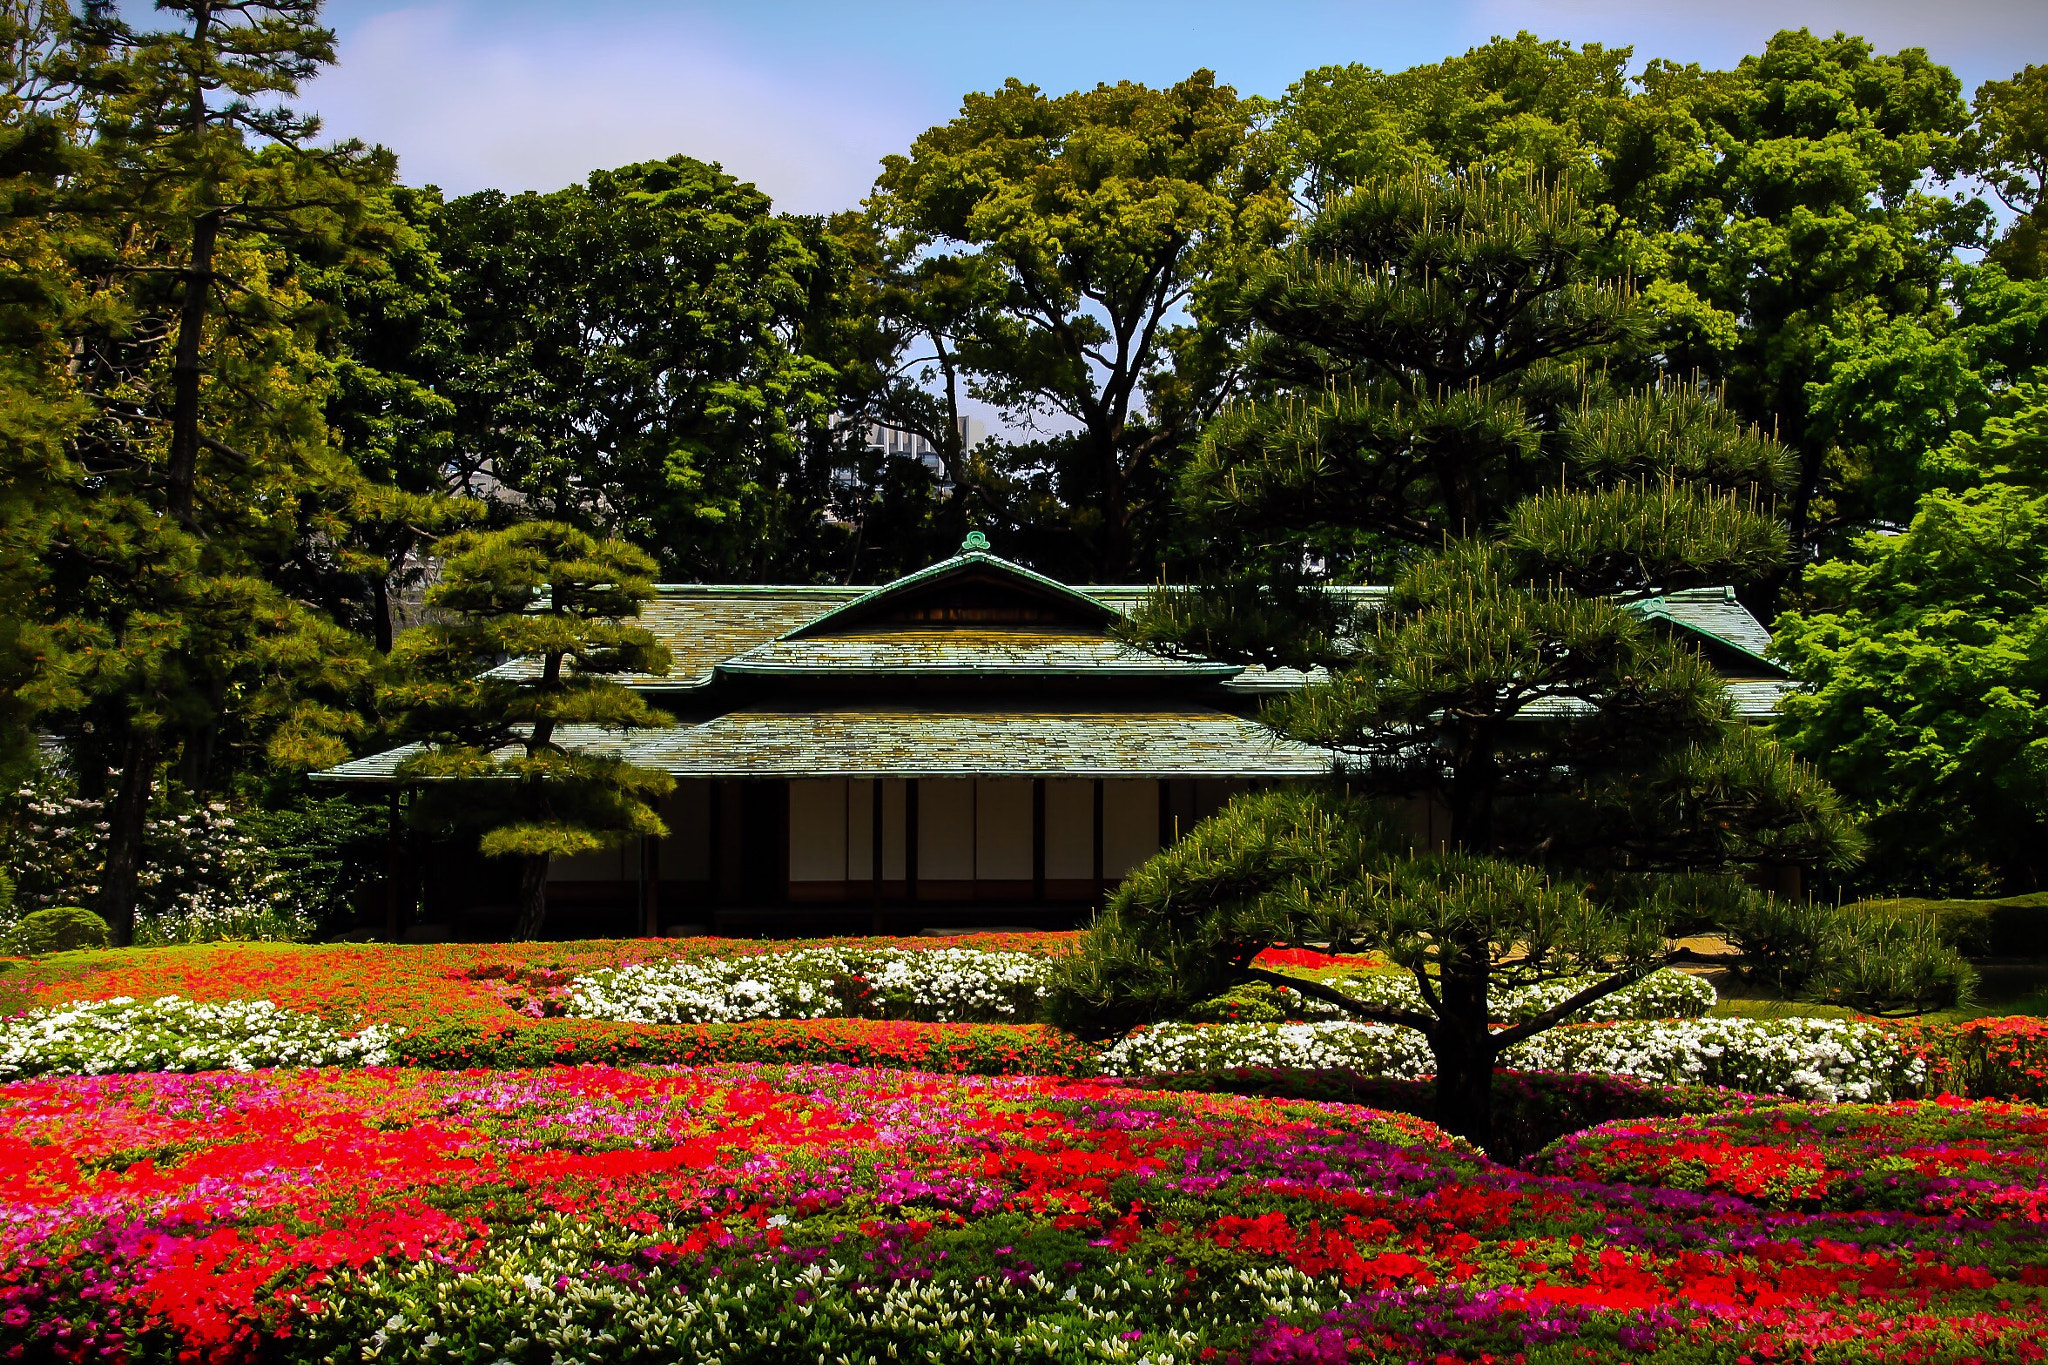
(887, 440)
(969, 743)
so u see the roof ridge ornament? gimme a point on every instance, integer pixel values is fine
(976, 543)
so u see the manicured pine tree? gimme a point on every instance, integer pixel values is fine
(1438, 409)
(559, 604)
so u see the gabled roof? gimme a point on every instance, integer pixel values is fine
(964, 652)
(972, 588)
(1720, 622)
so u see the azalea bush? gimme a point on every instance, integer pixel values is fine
(1932, 1158)
(170, 1034)
(1821, 1059)
(765, 1215)
(956, 985)
(1811, 1058)
(971, 1049)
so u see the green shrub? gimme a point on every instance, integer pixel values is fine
(1255, 1002)
(2016, 926)
(57, 930)
(1783, 942)
(973, 1049)
(1892, 965)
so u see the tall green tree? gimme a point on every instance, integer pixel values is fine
(1808, 215)
(202, 456)
(635, 358)
(1594, 785)
(1056, 242)
(1771, 216)
(1515, 106)
(40, 407)
(1926, 658)
(2008, 149)
(561, 605)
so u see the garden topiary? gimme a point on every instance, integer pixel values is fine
(58, 929)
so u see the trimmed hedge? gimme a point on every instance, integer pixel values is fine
(2016, 926)
(1531, 1109)
(971, 1049)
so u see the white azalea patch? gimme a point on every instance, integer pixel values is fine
(171, 1033)
(1813, 1059)
(963, 985)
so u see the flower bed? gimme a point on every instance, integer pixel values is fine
(746, 1214)
(412, 985)
(960, 985)
(1984, 1159)
(1825, 1059)
(170, 1034)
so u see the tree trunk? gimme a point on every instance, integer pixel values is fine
(1464, 1083)
(533, 898)
(186, 368)
(1462, 1047)
(127, 816)
(380, 611)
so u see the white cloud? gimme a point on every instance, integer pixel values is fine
(538, 105)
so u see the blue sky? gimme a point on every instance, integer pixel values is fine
(804, 98)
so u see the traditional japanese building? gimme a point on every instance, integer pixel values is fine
(966, 745)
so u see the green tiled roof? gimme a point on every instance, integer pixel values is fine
(960, 741)
(985, 653)
(1717, 615)
(704, 626)
(1752, 698)
(970, 562)
(590, 739)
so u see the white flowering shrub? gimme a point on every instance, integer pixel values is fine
(171, 1033)
(1663, 994)
(1374, 1049)
(202, 877)
(1814, 1059)
(951, 985)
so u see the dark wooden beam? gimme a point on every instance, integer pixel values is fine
(910, 840)
(1101, 807)
(875, 868)
(1038, 840)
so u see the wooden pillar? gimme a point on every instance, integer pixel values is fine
(910, 840)
(1101, 805)
(650, 886)
(392, 906)
(1038, 840)
(1165, 813)
(714, 864)
(875, 867)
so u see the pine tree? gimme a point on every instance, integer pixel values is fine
(1438, 410)
(200, 468)
(559, 603)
